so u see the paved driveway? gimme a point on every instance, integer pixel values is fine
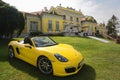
(99, 39)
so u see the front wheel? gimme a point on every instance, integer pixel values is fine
(11, 52)
(44, 65)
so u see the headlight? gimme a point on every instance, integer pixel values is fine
(61, 58)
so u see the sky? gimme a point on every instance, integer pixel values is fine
(101, 10)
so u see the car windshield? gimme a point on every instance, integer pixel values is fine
(43, 41)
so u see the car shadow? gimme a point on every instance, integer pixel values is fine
(3, 49)
(86, 73)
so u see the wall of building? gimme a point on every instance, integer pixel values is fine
(102, 29)
(69, 12)
(46, 17)
(31, 18)
(58, 14)
(89, 27)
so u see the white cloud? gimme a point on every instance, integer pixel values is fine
(35, 5)
(101, 10)
(89, 7)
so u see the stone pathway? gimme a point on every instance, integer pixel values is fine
(102, 40)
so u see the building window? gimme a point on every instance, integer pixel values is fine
(57, 26)
(49, 25)
(64, 17)
(33, 26)
(71, 18)
(77, 20)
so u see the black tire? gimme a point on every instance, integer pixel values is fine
(44, 65)
(11, 52)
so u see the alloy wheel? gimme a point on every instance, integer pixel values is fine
(44, 65)
(11, 52)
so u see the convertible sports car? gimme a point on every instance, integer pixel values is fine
(49, 56)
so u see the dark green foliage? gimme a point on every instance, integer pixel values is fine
(21, 23)
(35, 33)
(11, 20)
(111, 26)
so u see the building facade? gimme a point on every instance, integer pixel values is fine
(51, 23)
(57, 20)
(71, 17)
(33, 23)
(102, 29)
(89, 25)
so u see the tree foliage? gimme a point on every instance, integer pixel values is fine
(111, 25)
(11, 20)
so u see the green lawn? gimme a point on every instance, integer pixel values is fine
(102, 62)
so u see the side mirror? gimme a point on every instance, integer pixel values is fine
(28, 45)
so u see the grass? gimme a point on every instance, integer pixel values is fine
(102, 62)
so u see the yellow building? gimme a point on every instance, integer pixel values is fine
(51, 22)
(56, 19)
(44, 22)
(102, 29)
(89, 25)
(71, 17)
(33, 23)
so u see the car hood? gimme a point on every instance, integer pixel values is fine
(64, 50)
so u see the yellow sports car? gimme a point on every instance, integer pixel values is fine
(49, 56)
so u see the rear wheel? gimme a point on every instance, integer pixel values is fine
(44, 65)
(11, 52)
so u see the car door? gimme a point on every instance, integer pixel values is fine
(28, 53)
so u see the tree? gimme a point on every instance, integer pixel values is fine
(11, 20)
(111, 25)
(21, 24)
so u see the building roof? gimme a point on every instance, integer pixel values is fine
(89, 19)
(70, 9)
(37, 12)
(27, 13)
(59, 10)
(63, 11)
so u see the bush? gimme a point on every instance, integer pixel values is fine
(35, 33)
(117, 40)
(45, 34)
(53, 34)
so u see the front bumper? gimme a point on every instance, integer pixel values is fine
(67, 68)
